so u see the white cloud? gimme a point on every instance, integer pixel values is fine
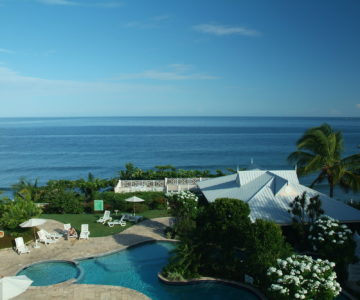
(358, 105)
(2, 50)
(153, 22)
(221, 30)
(161, 18)
(172, 72)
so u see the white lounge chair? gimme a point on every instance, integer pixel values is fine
(66, 231)
(20, 246)
(84, 234)
(120, 222)
(44, 239)
(105, 218)
(55, 236)
(132, 218)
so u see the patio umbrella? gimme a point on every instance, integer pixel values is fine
(33, 223)
(13, 286)
(134, 199)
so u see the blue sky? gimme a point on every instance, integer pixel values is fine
(199, 57)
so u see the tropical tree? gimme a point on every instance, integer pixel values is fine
(90, 186)
(15, 212)
(27, 189)
(320, 150)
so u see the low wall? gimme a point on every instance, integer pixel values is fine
(166, 185)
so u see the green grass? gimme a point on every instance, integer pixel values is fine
(97, 229)
(8, 240)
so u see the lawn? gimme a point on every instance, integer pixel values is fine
(97, 229)
(8, 240)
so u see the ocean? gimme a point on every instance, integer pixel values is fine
(70, 148)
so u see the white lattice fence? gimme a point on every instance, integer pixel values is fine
(168, 184)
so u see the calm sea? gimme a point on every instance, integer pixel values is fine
(54, 148)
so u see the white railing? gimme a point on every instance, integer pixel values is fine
(166, 185)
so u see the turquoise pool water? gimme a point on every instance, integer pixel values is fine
(136, 268)
(47, 273)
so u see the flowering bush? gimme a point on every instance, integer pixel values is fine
(328, 230)
(182, 202)
(183, 206)
(334, 242)
(302, 277)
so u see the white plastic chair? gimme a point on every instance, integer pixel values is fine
(44, 239)
(66, 231)
(55, 236)
(120, 222)
(105, 218)
(20, 246)
(84, 234)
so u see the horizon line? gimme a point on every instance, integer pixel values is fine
(173, 116)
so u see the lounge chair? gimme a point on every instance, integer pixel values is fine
(84, 234)
(118, 222)
(132, 218)
(20, 246)
(66, 232)
(44, 239)
(55, 236)
(105, 218)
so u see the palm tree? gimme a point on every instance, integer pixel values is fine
(90, 186)
(27, 189)
(320, 150)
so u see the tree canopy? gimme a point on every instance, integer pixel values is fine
(320, 149)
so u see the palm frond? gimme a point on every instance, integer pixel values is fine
(300, 158)
(314, 165)
(352, 162)
(350, 181)
(318, 179)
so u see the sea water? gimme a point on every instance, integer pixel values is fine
(70, 148)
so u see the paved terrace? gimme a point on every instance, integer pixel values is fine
(11, 263)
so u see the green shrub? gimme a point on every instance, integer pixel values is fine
(264, 246)
(184, 207)
(333, 241)
(18, 211)
(63, 202)
(185, 262)
(222, 229)
(117, 200)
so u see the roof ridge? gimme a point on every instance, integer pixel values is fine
(261, 188)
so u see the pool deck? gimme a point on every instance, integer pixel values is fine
(11, 262)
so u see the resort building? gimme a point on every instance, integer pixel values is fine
(269, 194)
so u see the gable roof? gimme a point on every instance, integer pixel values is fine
(269, 194)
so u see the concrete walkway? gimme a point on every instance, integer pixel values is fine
(11, 263)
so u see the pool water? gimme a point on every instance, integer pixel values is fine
(47, 273)
(135, 268)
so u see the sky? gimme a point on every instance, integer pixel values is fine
(179, 58)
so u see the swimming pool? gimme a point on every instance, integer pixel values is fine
(136, 268)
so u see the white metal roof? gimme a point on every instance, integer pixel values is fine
(269, 194)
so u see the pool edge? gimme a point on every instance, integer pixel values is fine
(211, 279)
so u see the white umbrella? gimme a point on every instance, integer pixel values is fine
(13, 286)
(134, 199)
(33, 223)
